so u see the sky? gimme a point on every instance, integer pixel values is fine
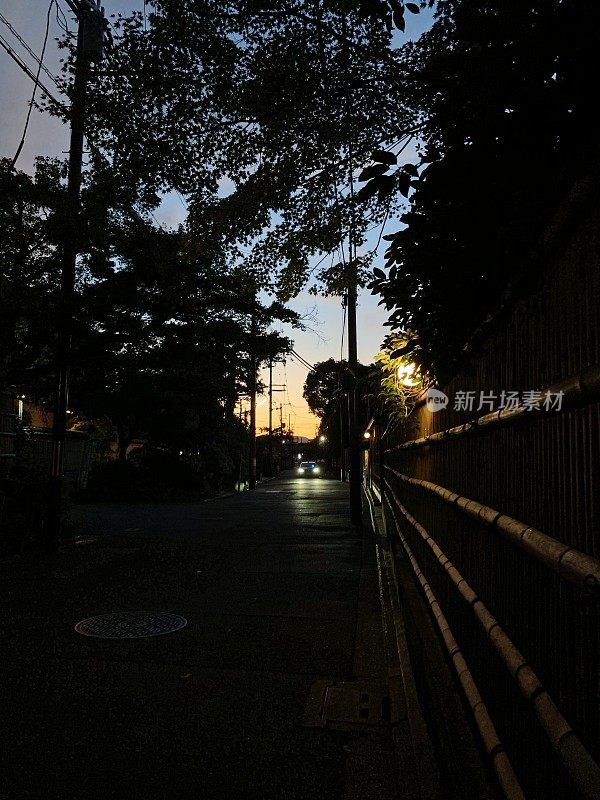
(49, 137)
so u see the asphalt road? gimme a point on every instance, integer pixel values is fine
(278, 591)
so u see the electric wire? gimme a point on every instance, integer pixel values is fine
(35, 86)
(16, 58)
(24, 44)
(62, 22)
(299, 358)
(61, 19)
(303, 363)
(303, 360)
(60, 106)
(318, 264)
(299, 361)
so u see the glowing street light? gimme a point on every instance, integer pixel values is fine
(406, 375)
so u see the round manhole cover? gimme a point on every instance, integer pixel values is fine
(130, 625)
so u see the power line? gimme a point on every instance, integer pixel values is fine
(29, 73)
(35, 86)
(318, 264)
(37, 83)
(294, 358)
(61, 19)
(303, 361)
(18, 36)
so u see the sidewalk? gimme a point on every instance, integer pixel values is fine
(280, 596)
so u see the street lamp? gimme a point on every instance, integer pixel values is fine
(406, 375)
(322, 439)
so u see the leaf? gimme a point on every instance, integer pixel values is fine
(384, 157)
(413, 8)
(407, 348)
(370, 188)
(399, 21)
(404, 183)
(378, 273)
(371, 172)
(412, 170)
(386, 186)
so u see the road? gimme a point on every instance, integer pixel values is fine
(278, 591)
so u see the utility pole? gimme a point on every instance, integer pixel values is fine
(342, 438)
(271, 416)
(90, 39)
(351, 297)
(353, 432)
(252, 390)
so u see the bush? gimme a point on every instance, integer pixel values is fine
(23, 508)
(156, 477)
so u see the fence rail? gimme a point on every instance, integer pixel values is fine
(505, 506)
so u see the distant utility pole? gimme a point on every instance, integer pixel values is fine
(343, 415)
(353, 432)
(91, 34)
(351, 298)
(252, 390)
(270, 416)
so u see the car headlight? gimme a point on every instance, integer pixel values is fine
(300, 470)
(317, 469)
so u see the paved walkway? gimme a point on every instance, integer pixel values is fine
(278, 592)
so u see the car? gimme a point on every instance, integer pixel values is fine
(308, 469)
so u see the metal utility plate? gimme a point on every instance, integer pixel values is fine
(342, 704)
(130, 625)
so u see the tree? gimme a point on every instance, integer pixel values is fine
(28, 264)
(284, 102)
(164, 349)
(508, 97)
(326, 391)
(162, 330)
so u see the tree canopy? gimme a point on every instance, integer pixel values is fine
(270, 118)
(508, 97)
(163, 336)
(258, 113)
(326, 392)
(283, 126)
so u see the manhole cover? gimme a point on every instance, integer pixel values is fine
(130, 625)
